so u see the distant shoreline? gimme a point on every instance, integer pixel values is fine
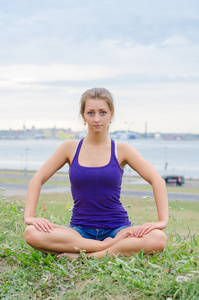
(64, 134)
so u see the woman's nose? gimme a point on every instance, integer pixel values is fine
(97, 118)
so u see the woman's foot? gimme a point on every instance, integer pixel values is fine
(108, 242)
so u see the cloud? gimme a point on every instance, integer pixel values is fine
(22, 76)
(175, 41)
(146, 53)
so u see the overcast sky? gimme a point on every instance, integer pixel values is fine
(145, 52)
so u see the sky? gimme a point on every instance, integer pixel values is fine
(146, 53)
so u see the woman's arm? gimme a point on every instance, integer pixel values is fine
(128, 155)
(61, 156)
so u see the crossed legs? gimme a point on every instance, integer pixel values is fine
(66, 241)
(152, 242)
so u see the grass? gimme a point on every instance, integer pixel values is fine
(28, 274)
(170, 188)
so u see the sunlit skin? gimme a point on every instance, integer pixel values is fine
(97, 115)
(95, 152)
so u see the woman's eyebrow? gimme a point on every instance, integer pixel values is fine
(89, 109)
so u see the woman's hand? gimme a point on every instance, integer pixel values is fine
(40, 224)
(148, 227)
(108, 242)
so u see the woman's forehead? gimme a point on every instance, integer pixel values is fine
(96, 104)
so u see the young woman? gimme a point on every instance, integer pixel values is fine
(99, 223)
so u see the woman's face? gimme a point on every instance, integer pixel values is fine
(97, 114)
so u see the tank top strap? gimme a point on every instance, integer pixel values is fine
(77, 150)
(113, 149)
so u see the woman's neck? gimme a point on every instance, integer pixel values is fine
(97, 138)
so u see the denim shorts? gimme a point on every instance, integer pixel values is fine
(97, 234)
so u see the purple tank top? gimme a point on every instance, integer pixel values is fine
(96, 194)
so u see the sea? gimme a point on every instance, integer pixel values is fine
(168, 157)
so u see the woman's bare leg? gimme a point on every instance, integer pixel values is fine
(128, 245)
(64, 239)
(152, 242)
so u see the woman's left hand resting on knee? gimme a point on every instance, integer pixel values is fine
(40, 224)
(148, 227)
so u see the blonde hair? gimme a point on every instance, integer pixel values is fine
(96, 93)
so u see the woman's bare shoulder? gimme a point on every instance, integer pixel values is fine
(65, 151)
(70, 143)
(125, 151)
(124, 147)
(69, 146)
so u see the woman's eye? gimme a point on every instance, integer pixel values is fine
(90, 113)
(103, 112)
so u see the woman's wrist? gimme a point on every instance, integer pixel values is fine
(27, 219)
(163, 224)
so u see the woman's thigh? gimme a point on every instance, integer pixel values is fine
(60, 240)
(59, 235)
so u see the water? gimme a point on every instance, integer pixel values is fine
(182, 156)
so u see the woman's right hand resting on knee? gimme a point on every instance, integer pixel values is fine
(40, 224)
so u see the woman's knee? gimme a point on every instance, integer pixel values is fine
(159, 239)
(30, 235)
